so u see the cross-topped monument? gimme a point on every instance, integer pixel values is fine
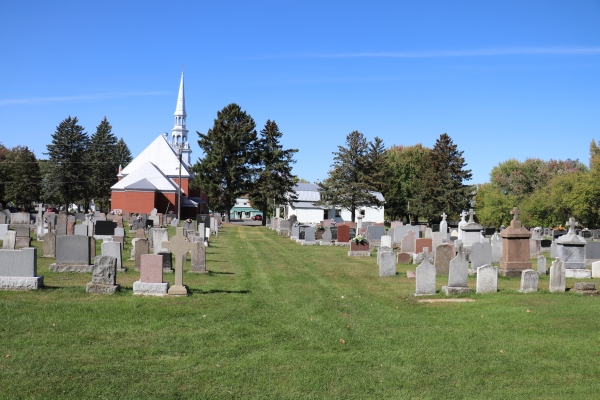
(463, 214)
(515, 212)
(178, 245)
(571, 223)
(444, 216)
(471, 214)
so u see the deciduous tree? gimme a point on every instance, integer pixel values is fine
(22, 177)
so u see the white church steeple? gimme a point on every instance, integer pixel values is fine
(179, 132)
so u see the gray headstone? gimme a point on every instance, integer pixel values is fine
(20, 218)
(443, 255)
(387, 263)
(541, 265)
(141, 248)
(81, 230)
(481, 254)
(49, 245)
(18, 263)
(119, 232)
(408, 241)
(529, 281)
(401, 231)
(153, 212)
(104, 276)
(557, 276)
(496, 248)
(10, 240)
(375, 232)
(72, 250)
(3, 229)
(592, 251)
(199, 258)
(22, 231)
(159, 235)
(425, 281)
(553, 250)
(458, 271)
(61, 224)
(189, 226)
(487, 279)
(309, 234)
(174, 222)
(327, 238)
(113, 249)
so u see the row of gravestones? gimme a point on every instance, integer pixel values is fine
(18, 268)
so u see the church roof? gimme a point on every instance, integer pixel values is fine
(145, 177)
(161, 154)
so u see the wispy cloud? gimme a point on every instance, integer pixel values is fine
(454, 53)
(81, 97)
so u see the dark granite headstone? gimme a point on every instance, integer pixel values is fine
(105, 228)
(203, 219)
(334, 232)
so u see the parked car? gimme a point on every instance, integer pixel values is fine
(51, 209)
(257, 218)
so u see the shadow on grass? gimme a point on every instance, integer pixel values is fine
(216, 291)
(220, 273)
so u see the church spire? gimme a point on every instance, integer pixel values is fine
(179, 133)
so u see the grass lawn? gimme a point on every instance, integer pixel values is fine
(274, 319)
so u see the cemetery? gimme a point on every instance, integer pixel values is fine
(316, 316)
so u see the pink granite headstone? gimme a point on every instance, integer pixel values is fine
(403, 258)
(420, 244)
(151, 268)
(70, 228)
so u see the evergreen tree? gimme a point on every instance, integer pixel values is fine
(103, 162)
(23, 178)
(441, 188)
(348, 184)
(3, 152)
(123, 155)
(275, 179)
(68, 172)
(228, 166)
(376, 162)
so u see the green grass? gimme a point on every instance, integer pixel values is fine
(267, 323)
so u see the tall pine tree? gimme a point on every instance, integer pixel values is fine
(275, 179)
(441, 187)
(230, 158)
(349, 185)
(122, 155)
(103, 164)
(68, 172)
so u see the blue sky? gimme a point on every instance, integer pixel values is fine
(505, 79)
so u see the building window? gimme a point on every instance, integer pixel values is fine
(338, 213)
(362, 212)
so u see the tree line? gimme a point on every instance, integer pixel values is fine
(548, 193)
(417, 183)
(79, 168)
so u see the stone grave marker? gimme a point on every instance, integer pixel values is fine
(104, 228)
(309, 236)
(10, 239)
(596, 269)
(326, 239)
(420, 244)
(189, 225)
(104, 276)
(72, 254)
(571, 251)
(558, 281)
(61, 224)
(151, 277)
(515, 247)
(199, 259)
(386, 241)
(49, 245)
(20, 218)
(481, 254)
(113, 249)
(404, 258)
(541, 265)
(294, 235)
(81, 230)
(159, 236)
(529, 281)
(18, 270)
(92, 246)
(3, 229)
(408, 242)
(141, 248)
(458, 271)
(179, 246)
(592, 252)
(443, 255)
(496, 243)
(22, 239)
(387, 263)
(425, 283)
(444, 229)
(140, 234)
(343, 233)
(487, 279)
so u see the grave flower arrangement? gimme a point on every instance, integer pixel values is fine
(320, 227)
(359, 239)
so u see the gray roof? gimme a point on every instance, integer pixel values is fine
(307, 204)
(142, 184)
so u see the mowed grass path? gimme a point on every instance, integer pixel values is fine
(274, 319)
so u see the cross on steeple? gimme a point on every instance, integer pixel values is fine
(515, 212)
(471, 214)
(571, 223)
